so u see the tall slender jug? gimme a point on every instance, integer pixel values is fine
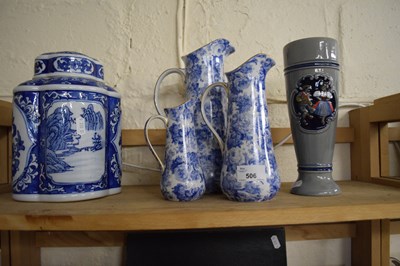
(203, 67)
(182, 177)
(312, 89)
(249, 169)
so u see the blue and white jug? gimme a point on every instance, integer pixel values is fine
(249, 170)
(66, 132)
(182, 177)
(203, 67)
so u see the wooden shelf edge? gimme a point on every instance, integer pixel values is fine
(387, 181)
(117, 239)
(142, 208)
(135, 137)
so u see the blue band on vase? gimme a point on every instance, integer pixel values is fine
(312, 64)
(315, 169)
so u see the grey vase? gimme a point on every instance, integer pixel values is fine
(312, 89)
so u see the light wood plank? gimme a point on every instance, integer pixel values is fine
(135, 137)
(384, 149)
(4, 188)
(319, 231)
(142, 208)
(385, 242)
(80, 239)
(388, 111)
(369, 151)
(395, 227)
(6, 113)
(395, 98)
(24, 252)
(374, 150)
(394, 133)
(5, 248)
(366, 245)
(360, 148)
(4, 155)
(365, 158)
(386, 181)
(117, 239)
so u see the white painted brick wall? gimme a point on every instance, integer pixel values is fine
(137, 40)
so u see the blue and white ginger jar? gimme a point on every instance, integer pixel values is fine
(66, 132)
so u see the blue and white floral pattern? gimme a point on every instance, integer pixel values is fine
(182, 174)
(66, 132)
(249, 170)
(67, 62)
(114, 147)
(204, 67)
(57, 80)
(17, 147)
(25, 149)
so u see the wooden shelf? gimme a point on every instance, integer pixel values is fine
(135, 137)
(142, 208)
(367, 212)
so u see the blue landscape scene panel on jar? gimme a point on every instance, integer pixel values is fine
(75, 137)
(64, 135)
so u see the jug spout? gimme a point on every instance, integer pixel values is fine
(221, 47)
(218, 47)
(258, 65)
(226, 47)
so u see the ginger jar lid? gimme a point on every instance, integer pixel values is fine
(68, 64)
(315, 51)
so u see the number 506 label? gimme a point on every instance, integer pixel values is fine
(250, 172)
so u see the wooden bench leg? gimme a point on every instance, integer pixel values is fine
(5, 248)
(23, 247)
(366, 245)
(385, 242)
(371, 245)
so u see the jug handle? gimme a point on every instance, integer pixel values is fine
(146, 136)
(203, 111)
(160, 80)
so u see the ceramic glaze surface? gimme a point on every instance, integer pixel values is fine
(182, 174)
(312, 88)
(202, 68)
(249, 170)
(51, 64)
(314, 102)
(66, 132)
